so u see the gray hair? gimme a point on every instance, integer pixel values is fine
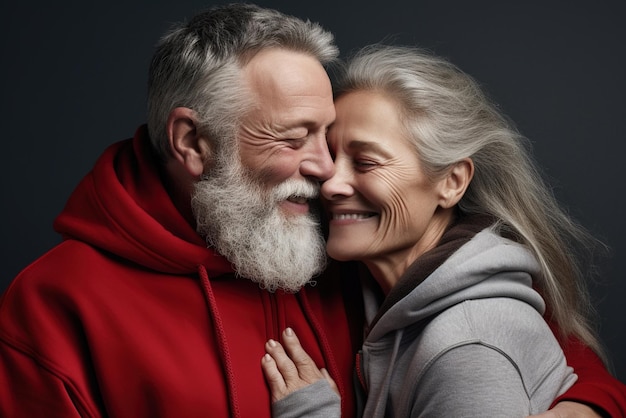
(448, 117)
(198, 65)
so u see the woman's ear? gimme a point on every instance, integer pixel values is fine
(456, 182)
(188, 147)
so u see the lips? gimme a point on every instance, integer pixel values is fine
(301, 200)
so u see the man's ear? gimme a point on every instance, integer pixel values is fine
(456, 182)
(188, 147)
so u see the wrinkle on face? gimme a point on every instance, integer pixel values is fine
(404, 182)
(294, 106)
(378, 167)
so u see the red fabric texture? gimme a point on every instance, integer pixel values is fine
(132, 316)
(595, 386)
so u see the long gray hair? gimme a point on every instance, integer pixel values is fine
(448, 117)
(198, 65)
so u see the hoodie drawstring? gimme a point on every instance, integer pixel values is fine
(222, 343)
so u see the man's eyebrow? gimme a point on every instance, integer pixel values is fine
(294, 124)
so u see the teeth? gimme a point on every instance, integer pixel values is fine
(340, 216)
(298, 199)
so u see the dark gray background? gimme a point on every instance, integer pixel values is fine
(73, 81)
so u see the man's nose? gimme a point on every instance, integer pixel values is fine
(318, 163)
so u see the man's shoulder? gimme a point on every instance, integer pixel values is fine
(64, 258)
(64, 270)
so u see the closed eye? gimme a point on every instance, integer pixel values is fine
(365, 165)
(295, 142)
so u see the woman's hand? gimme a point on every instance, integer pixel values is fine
(290, 368)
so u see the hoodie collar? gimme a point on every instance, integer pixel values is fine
(122, 207)
(458, 234)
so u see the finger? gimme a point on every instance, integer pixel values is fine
(306, 368)
(330, 380)
(278, 387)
(284, 364)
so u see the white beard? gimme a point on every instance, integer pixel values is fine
(245, 224)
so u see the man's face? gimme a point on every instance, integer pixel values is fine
(284, 135)
(254, 207)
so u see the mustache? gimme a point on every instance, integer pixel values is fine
(307, 189)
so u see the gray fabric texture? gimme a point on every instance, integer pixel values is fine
(470, 340)
(318, 400)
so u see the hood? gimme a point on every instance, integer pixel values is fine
(122, 207)
(484, 265)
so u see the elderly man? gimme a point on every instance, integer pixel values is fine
(132, 315)
(185, 248)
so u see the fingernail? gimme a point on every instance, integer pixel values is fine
(271, 343)
(267, 358)
(289, 332)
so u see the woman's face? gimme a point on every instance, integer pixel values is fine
(381, 205)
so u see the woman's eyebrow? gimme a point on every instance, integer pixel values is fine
(360, 145)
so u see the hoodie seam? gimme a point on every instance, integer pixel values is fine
(73, 393)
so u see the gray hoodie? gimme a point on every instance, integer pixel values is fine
(461, 337)
(469, 340)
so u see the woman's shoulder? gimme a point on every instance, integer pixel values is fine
(499, 322)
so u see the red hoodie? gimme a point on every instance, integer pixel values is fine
(132, 316)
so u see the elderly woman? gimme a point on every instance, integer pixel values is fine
(435, 192)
